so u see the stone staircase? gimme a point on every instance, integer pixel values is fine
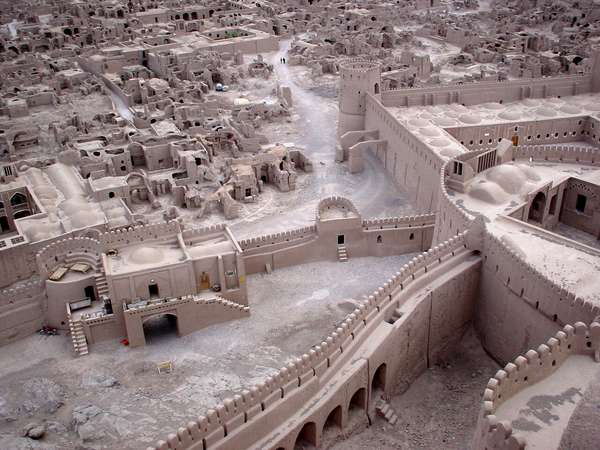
(231, 304)
(384, 409)
(78, 337)
(342, 254)
(101, 284)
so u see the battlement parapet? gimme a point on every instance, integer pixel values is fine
(337, 202)
(526, 370)
(52, 254)
(535, 288)
(238, 410)
(276, 238)
(139, 233)
(399, 222)
(559, 153)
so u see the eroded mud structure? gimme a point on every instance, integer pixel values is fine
(300, 224)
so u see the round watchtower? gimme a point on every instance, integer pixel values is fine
(358, 77)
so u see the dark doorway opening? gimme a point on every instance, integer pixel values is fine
(340, 239)
(536, 211)
(580, 203)
(4, 226)
(157, 328)
(90, 292)
(153, 290)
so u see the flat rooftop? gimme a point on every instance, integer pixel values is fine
(496, 192)
(428, 123)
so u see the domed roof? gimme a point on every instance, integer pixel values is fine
(570, 109)
(449, 152)
(530, 102)
(86, 218)
(492, 105)
(529, 172)
(469, 118)
(545, 112)
(444, 122)
(456, 107)
(488, 192)
(509, 177)
(429, 131)
(439, 142)
(510, 114)
(145, 255)
(418, 122)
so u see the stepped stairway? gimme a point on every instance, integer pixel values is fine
(78, 337)
(384, 409)
(96, 265)
(101, 284)
(342, 254)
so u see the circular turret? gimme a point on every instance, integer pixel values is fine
(357, 78)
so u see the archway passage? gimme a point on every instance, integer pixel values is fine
(357, 410)
(160, 328)
(536, 211)
(358, 402)
(378, 383)
(333, 423)
(307, 438)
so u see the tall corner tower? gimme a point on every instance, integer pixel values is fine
(357, 78)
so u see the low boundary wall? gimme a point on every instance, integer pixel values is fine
(525, 370)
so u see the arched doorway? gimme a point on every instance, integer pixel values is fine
(378, 382)
(21, 214)
(160, 328)
(357, 410)
(18, 199)
(307, 438)
(333, 423)
(376, 88)
(536, 210)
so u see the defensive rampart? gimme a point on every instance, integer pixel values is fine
(524, 371)
(354, 364)
(374, 237)
(489, 91)
(511, 287)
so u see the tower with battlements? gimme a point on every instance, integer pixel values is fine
(357, 78)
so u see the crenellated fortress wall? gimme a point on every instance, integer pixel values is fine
(527, 369)
(353, 364)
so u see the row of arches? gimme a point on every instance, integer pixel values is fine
(312, 434)
(307, 437)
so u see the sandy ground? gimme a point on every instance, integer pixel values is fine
(116, 393)
(439, 410)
